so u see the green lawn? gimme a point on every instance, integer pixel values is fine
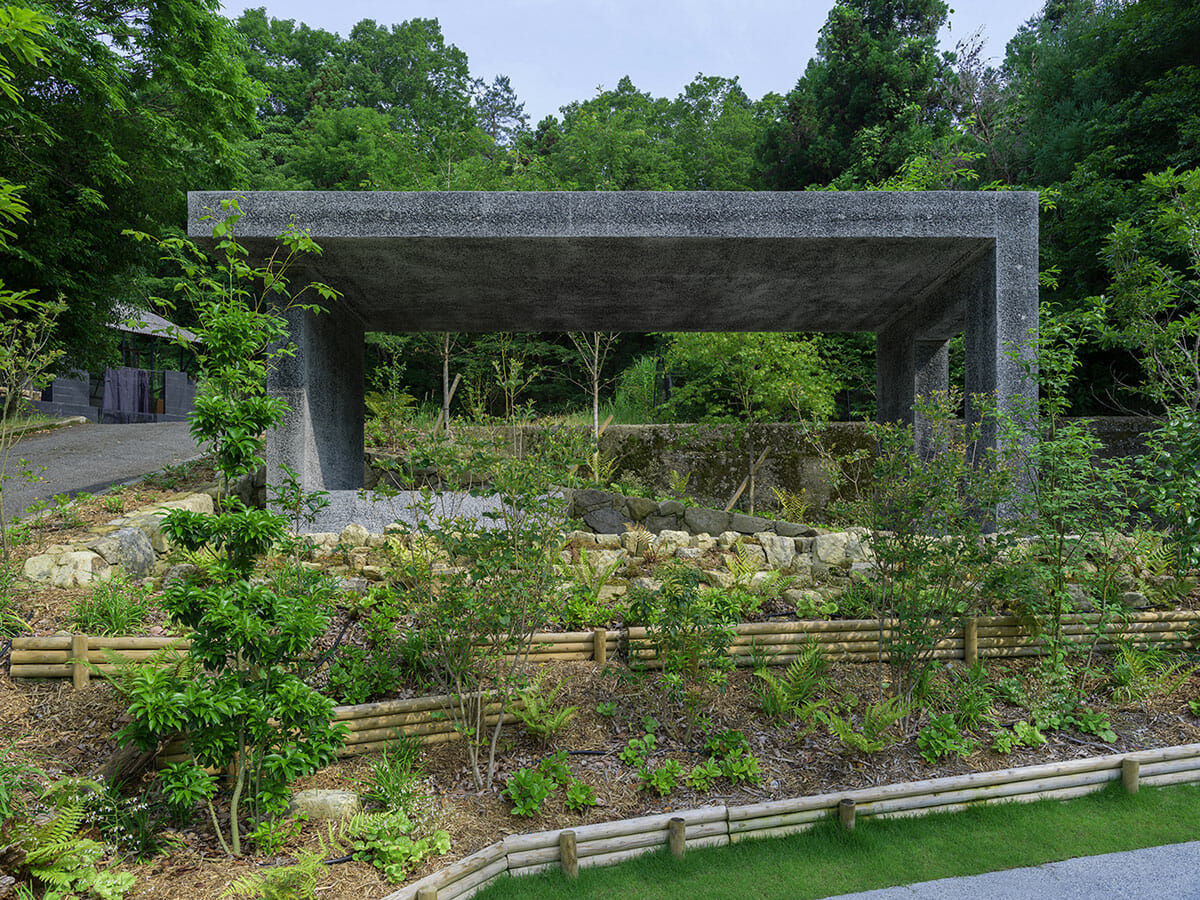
(828, 861)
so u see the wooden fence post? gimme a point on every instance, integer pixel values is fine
(1130, 768)
(676, 840)
(846, 813)
(80, 676)
(600, 646)
(567, 851)
(427, 893)
(971, 641)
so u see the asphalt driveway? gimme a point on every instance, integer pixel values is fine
(88, 458)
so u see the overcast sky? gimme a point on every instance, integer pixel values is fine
(556, 51)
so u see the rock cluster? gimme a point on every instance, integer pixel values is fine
(133, 542)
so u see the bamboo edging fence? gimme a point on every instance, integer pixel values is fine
(772, 643)
(608, 843)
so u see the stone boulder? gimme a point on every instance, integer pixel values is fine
(744, 524)
(354, 536)
(78, 568)
(605, 520)
(780, 551)
(128, 548)
(706, 521)
(324, 804)
(668, 542)
(640, 507)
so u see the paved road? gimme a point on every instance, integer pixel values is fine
(1156, 873)
(89, 458)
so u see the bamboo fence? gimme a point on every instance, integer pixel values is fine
(772, 643)
(608, 843)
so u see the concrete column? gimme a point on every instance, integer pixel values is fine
(932, 375)
(1001, 295)
(321, 438)
(895, 375)
(905, 369)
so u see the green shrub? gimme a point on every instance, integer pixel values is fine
(527, 789)
(942, 737)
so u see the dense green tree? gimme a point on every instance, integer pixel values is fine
(500, 114)
(135, 103)
(867, 101)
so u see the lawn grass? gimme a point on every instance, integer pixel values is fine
(827, 860)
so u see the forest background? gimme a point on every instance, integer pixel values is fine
(128, 105)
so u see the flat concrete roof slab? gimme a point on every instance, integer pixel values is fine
(634, 261)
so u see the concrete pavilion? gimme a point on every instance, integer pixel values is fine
(915, 268)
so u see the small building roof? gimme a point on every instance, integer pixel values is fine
(139, 321)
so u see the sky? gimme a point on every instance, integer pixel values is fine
(557, 51)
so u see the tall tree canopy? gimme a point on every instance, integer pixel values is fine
(866, 102)
(135, 103)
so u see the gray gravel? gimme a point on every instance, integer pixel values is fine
(89, 458)
(1155, 873)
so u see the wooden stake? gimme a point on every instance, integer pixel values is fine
(971, 642)
(80, 676)
(1129, 775)
(600, 646)
(567, 853)
(746, 481)
(846, 813)
(427, 893)
(676, 829)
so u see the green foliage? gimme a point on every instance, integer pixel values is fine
(391, 843)
(555, 767)
(582, 605)
(57, 857)
(942, 737)
(246, 704)
(579, 796)
(1094, 722)
(28, 350)
(1139, 674)
(294, 882)
(357, 674)
(527, 789)
(396, 781)
(115, 607)
(130, 106)
(271, 834)
(704, 775)
(794, 694)
(971, 696)
(867, 101)
(17, 777)
(130, 824)
(662, 779)
(1022, 734)
(874, 731)
(747, 376)
(636, 396)
(638, 750)
(927, 511)
(690, 633)
(538, 713)
(476, 620)
(606, 708)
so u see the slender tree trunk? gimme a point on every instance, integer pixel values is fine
(446, 382)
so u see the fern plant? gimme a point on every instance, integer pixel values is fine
(874, 732)
(1141, 673)
(537, 711)
(793, 507)
(57, 858)
(793, 695)
(295, 882)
